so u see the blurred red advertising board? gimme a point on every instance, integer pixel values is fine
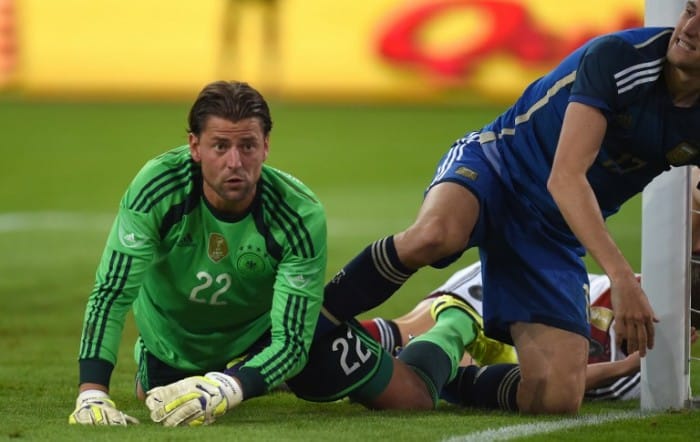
(354, 50)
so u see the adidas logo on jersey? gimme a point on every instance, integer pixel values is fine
(131, 240)
(297, 281)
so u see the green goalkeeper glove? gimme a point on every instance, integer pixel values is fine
(197, 400)
(94, 407)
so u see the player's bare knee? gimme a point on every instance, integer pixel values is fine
(553, 369)
(545, 393)
(405, 391)
(562, 404)
(427, 241)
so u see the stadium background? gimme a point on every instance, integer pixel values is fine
(366, 95)
(408, 50)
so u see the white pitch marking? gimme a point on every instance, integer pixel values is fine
(522, 430)
(67, 221)
(54, 220)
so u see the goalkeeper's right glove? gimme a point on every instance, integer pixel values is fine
(94, 407)
(195, 400)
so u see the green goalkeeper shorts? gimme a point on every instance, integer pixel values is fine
(344, 362)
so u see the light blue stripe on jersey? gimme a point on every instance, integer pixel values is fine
(455, 153)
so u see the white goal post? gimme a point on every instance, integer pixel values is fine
(666, 268)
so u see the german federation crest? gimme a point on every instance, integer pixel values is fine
(250, 262)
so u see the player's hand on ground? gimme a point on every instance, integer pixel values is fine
(94, 407)
(634, 317)
(196, 400)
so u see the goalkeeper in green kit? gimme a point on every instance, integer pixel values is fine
(222, 259)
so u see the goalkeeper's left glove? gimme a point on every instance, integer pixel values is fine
(197, 400)
(94, 407)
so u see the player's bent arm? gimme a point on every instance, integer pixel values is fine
(296, 305)
(579, 143)
(118, 278)
(604, 373)
(129, 251)
(102, 330)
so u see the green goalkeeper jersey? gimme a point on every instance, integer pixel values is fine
(205, 287)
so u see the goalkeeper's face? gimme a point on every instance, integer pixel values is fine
(231, 154)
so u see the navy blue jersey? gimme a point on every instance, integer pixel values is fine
(621, 74)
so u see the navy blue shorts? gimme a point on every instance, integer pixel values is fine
(532, 272)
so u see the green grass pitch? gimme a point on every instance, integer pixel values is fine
(64, 168)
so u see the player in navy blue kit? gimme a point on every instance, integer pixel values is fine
(532, 191)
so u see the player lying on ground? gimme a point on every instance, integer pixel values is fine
(611, 373)
(347, 362)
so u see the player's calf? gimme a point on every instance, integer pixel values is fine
(491, 387)
(347, 362)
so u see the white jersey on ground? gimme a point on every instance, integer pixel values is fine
(467, 285)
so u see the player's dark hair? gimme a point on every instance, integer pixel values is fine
(231, 100)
